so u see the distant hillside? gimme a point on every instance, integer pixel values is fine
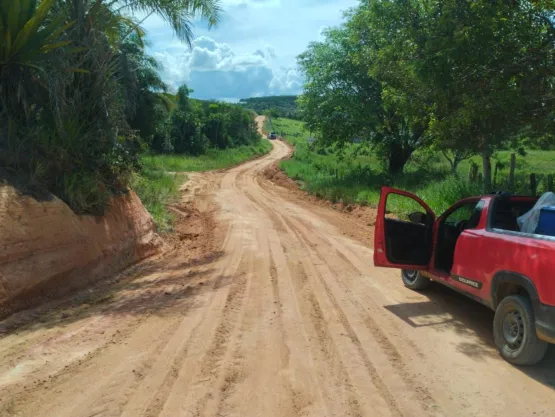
(281, 106)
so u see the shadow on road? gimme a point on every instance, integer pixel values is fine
(446, 309)
(162, 286)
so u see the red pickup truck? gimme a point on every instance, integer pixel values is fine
(476, 248)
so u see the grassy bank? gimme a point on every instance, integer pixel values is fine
(293, 130)
(356, 178)
(213, 159)
(156, 189)
(161, 176)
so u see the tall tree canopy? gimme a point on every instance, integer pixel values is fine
(74, 80)
(343, 101)
(468, 75)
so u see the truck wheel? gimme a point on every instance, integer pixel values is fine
(414, 279)
(514, 331)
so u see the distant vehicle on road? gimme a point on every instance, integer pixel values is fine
(272, 136)
(476, 247)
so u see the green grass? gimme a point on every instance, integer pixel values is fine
(213, 159)
(293, 130)
(157, 189)
(356, 178)
(158, 182)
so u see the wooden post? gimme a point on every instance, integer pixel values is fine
(533, 184)
(480, 179)
(472, 173)
(550, 182)
(495, 176)
(512, 171)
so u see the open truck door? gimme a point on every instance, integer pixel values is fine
(403, 236)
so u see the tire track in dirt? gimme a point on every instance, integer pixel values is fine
(375, 328)
(306, 383)
(203, 390)
(394, 358)
(259, 354)
(318, 244)
(309, 266)
(151, 397)
(233, 371)
(113, 390)
(108, 390)
(298, 400)
(319, 269)
(317, 330)
(359, 268)
(328, 349)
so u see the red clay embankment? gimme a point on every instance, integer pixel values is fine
(47, 250)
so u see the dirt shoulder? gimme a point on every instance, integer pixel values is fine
(356, 221)
(266, 305)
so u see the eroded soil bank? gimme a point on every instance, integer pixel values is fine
(46, 250)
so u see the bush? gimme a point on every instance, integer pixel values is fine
(196, 126)
(156, 189)
(357, 178)
(62, 121)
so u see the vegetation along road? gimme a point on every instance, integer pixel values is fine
(268, 306)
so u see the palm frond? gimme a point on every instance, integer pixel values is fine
(178, 13)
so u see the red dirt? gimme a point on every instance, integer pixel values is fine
(362, 218)
(265, 306)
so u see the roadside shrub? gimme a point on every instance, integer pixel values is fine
(62, 121)
(156, 189)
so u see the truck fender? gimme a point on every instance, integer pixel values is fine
(509, 277)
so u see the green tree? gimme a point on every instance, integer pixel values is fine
(195, 126)
(342, 100)
(143, 89)
(65, 109)
(482, 69)
(271, 113)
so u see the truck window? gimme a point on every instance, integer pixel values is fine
(506, 211)
(469, 214)
(463, 213)
(464, 217)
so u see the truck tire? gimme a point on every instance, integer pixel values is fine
(414, 279)
(514, 331)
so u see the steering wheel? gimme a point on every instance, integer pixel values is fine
(461, 225)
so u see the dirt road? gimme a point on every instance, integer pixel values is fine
(266, 307)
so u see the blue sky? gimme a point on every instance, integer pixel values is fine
(252, 52)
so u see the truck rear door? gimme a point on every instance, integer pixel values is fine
(404, 231)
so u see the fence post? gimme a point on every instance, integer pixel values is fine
(533, 184)
(512, 171)
(550, 182)
(472, 173)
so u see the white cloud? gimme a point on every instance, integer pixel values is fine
(214, 71)
(206, 43)
(256, 44)
(287, 80)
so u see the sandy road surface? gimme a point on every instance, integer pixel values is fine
(265, 308)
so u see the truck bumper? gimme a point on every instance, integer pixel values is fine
(545, 322)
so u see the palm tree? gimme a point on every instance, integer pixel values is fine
(63, 106)
(28, 37)
(178, 13)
